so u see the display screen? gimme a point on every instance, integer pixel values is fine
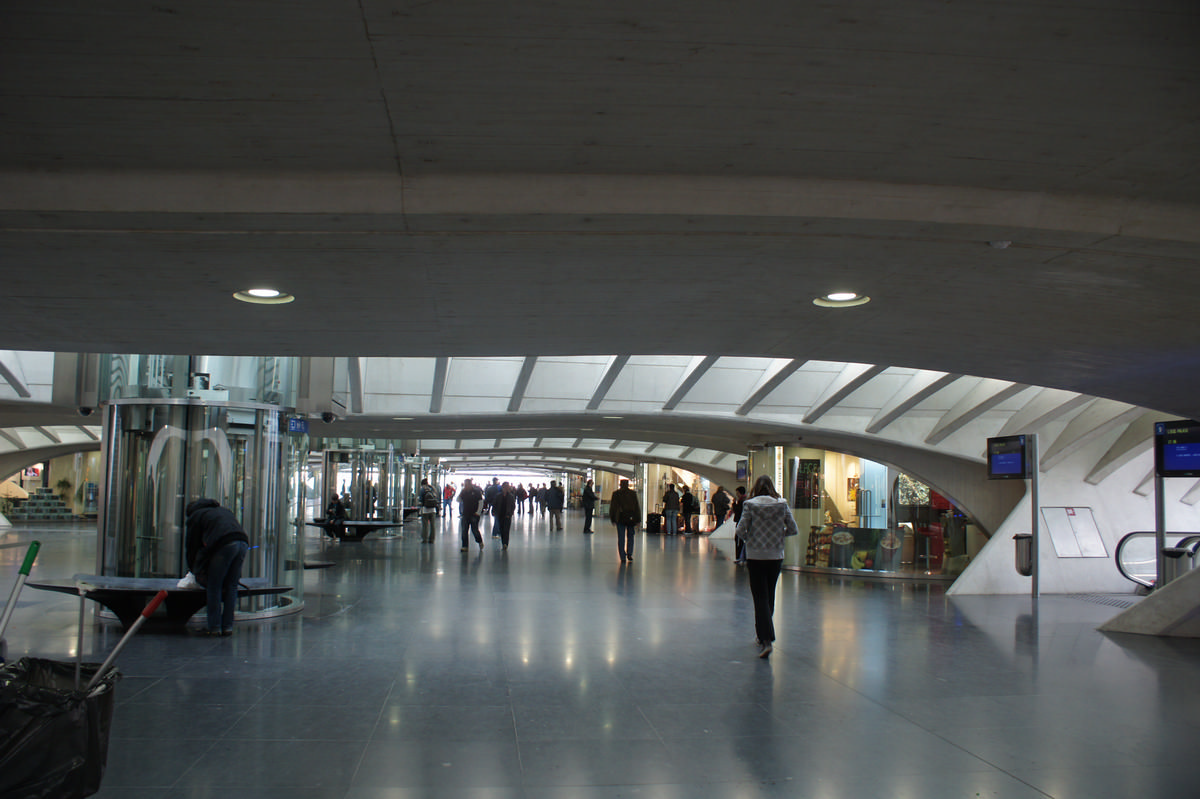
(1007, 458)
(1177, 448)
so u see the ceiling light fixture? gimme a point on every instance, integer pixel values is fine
(263, 296)
(841, 299)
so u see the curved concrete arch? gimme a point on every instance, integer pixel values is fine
(12, 462)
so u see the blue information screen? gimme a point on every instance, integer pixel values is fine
(1006, 458)
(1177, 448)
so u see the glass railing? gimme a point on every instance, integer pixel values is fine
(1136, 556)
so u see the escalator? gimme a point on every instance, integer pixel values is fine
(1136, 556)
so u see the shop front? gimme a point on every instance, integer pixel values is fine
(859, 516)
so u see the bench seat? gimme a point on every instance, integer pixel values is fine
(127, 597)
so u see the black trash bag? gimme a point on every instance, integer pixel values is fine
(53, 739)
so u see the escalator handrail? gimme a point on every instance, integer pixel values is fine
(1188, 540)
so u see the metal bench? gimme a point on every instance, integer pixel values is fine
(126, 597)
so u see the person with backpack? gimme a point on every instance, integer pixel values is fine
(427, 500)
(470, 508)
(689, 506)
(625, 512)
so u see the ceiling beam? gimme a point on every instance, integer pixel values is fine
(920, 387)
(518, 394)
(354, 372)
(438, 392)
(978, 401)
(606, 383)
(48, 434)
(11, 378)
(853, 377)
(689, 381)
(772, 383)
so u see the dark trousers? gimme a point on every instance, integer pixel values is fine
(764, 576)
(687, 523)
(221, 583)
(469, 525)
(505, 525)
(625, 540)
(588, 513)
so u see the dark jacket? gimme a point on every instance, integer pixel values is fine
(671, 500)
(209, 527)
(589, 497)
(470, 497)
(555, 498)
(720, 503)
(624, 500)
(688, 503)
(505, 505)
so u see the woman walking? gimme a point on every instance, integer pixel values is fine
(766, 521)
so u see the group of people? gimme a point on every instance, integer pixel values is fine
(216, 545)
(764, 520)
(502, 501)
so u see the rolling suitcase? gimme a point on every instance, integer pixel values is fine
(654, 523)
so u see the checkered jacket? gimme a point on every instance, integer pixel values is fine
(765, 522)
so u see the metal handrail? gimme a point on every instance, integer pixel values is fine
(1143, 570)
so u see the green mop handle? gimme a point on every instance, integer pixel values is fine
(22, 576)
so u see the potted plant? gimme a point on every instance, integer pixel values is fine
(64, 488)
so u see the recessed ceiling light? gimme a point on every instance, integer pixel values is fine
(263, 296)
(841, 299)
(614, 417)
(402, 418)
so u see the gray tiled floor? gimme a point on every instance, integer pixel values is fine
(551, 671)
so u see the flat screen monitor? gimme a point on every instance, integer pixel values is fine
(1007, 458)
(1177, 448)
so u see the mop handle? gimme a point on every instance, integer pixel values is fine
(133, 628)
(22, 576)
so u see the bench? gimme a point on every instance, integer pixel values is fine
(352, 529)
(126, 597)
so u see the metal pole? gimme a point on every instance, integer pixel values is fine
(1160, 530)
(1035, 525)
(133, 628)
(22, 576)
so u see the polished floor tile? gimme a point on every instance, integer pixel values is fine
(551, 671)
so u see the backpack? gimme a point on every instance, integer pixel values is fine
(428, 498)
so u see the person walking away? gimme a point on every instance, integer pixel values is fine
(720, 502)
(670, 502)
(491, 495)
(447, 498)
(555, 500)
(427, 501)
(739, 546)
(541, 498)
(216, 547)
(688, 507)
(625, 512)
(505, 507)
(522, 495)
(470, 507)
(766, 521)
(589, 507)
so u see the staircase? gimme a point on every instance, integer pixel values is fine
(43, 505)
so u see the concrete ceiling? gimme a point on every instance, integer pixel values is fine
(1015, 186)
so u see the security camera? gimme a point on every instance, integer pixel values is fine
(84, 410)
(327, 417)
